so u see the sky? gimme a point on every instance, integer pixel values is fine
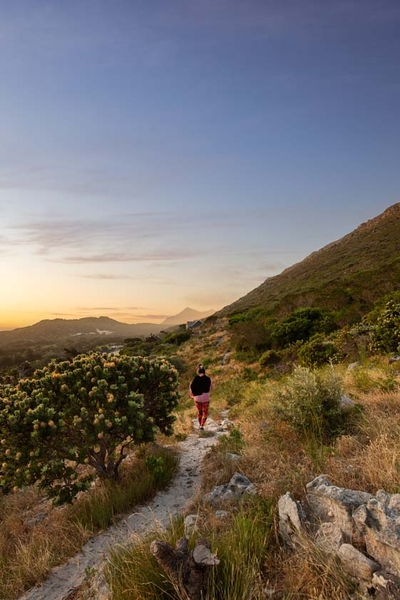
(161, 154)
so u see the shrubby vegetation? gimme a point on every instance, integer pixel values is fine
(84, 412)
(312, 336)
(386, 331)
(310, 401)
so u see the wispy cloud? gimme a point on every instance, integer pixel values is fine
(167, 255)
(111, 277)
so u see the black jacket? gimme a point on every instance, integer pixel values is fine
(200, 385)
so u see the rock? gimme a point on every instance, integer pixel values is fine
(225, 358)
(353, 366)
(380, 526)
(346, 402)
(387, 587)
(38, 518)
(291, 518)
(349, 522)
(233, 456)
(334, 504)
(188, 570)
(356, 563)
(190, 523)
(329, 537)
(393, 359)
(226, 423)
(238, 485)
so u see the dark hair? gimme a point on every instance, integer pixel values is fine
(201, 369)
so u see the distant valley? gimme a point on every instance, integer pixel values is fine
(73, 330)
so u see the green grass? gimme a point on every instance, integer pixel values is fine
(241, 545)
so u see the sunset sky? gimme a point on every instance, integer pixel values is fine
(158, 154)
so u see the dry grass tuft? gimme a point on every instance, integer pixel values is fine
(309, 573)
(371, 460)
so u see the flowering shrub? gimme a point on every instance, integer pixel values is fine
(386, 332)
(84, 411)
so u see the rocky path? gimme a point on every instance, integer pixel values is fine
(63, 581)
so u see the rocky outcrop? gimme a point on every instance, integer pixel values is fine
(362, 530)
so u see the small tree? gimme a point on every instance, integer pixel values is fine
(84, 411)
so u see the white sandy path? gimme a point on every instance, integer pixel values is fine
(63, 580)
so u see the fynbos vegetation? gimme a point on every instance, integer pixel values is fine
(84, 412)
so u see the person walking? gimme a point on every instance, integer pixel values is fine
(200, 388)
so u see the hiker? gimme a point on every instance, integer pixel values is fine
(200, 388)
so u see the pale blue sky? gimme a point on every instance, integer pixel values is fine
(162, 154)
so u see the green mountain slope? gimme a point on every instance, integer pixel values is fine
(348, 275)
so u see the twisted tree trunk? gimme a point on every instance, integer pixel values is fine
(188, 570)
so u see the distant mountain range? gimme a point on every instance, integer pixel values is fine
(75, 331)
(187, 314)
(347, 276)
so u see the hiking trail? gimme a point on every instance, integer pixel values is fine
(65, 580)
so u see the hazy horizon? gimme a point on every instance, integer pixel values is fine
(156, 322)
(162, 155)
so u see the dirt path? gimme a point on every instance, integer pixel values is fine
(64, 580)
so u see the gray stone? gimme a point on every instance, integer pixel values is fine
(290, 518)
(393, 359)
(353, 366)
(356, 563)
(346, 402)
(329, 537)
(380, 526)
(233, 456)
(387, 586)
(190, 523)
(334, 504)
(237, 486)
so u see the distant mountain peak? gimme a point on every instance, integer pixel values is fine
(187, 314)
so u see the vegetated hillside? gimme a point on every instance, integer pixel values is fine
(73, 330)
(347, 275)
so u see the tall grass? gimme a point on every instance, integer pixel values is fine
(133, 573)
(35, 536)
(242, 548)
(241, 545)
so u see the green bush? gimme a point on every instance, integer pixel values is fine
(311, 403)
(316, 352)
(301, 325)
(270, 358)
(82, 412)
(246, 316)
(177, 337)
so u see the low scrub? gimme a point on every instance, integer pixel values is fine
(310, 402)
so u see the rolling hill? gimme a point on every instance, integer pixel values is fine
(348, 275)
(74, 330)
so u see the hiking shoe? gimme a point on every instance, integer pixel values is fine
(201, 428)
